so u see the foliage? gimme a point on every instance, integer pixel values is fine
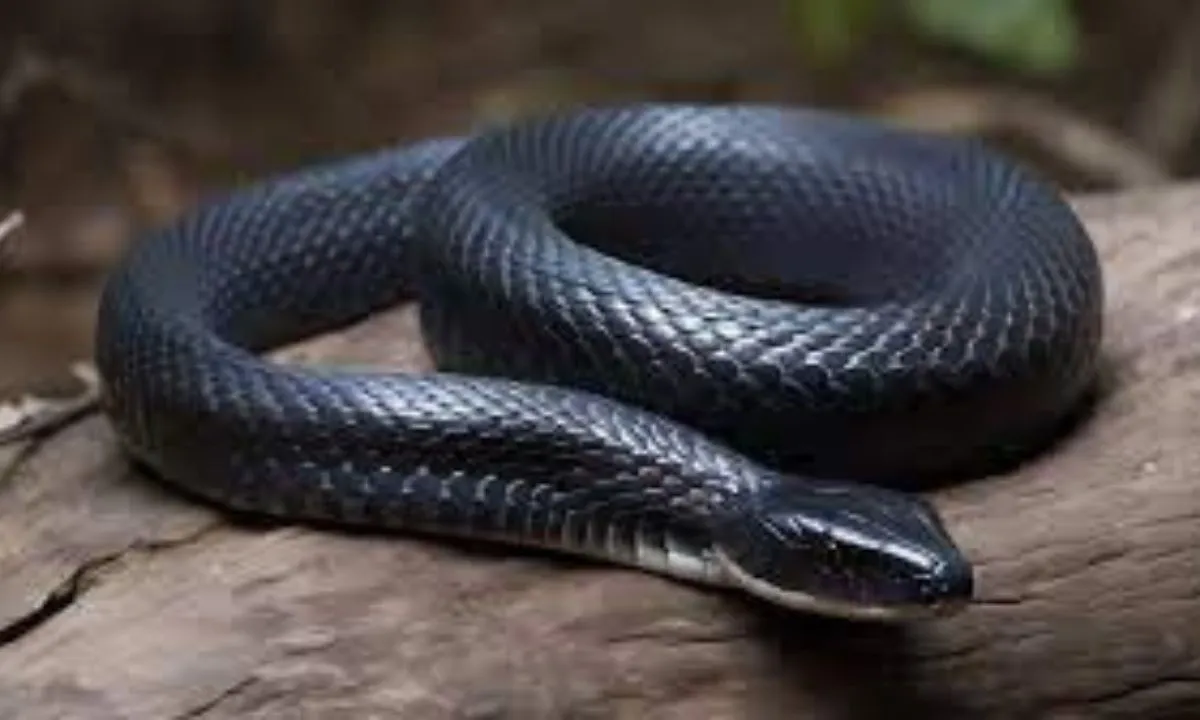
(1038, 37)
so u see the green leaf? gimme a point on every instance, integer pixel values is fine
(1034, 36)
(831, 29)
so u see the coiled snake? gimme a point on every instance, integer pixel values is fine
(724, 343)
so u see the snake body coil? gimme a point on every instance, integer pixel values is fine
(682, 338)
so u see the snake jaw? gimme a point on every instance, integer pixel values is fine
(854, 552)
(847, 610)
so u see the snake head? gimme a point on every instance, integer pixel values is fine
(844, 550)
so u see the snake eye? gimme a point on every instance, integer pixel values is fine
(843, 550)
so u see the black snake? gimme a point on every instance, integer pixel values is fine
(701, 340)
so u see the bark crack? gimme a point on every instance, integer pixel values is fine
(85, 576)
(211, 703)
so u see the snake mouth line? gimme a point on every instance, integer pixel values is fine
(830, 607)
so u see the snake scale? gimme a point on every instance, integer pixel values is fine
(725, 343)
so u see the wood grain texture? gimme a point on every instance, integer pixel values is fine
(119, 599)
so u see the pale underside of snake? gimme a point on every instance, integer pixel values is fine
(728, 344)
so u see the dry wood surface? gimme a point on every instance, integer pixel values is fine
(120, 599)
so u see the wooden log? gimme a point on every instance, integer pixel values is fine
(119, 599)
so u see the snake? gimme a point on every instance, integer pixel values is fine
(729, 344)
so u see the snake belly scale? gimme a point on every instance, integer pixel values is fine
(724, 343)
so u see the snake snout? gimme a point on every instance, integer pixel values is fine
(846, 550)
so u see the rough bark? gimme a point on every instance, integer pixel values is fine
(119, 599)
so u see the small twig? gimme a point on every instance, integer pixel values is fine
(38, 417)
(1078, 141)
(8, 233)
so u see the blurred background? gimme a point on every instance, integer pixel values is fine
(115, 115)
